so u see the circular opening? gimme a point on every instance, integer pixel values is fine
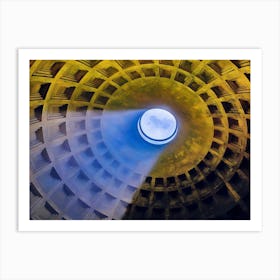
(157, 126)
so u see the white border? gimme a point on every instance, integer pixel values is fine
(255, 224)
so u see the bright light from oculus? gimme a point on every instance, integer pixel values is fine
(157, 126)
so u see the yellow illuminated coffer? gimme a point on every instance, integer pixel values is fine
(89, 161)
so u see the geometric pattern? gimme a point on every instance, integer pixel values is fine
(76, 174)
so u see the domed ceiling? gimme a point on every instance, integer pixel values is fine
(88, 161)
